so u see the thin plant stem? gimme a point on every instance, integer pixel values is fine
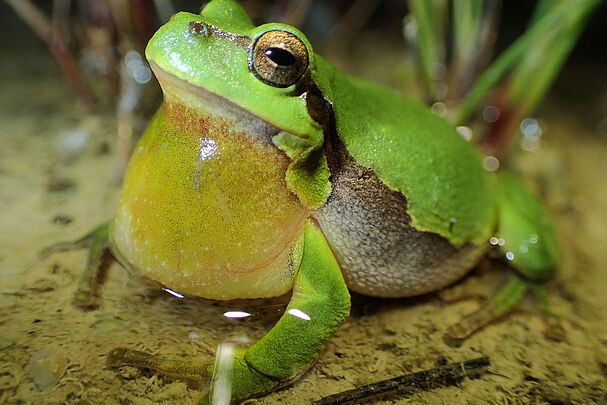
(533, 75)
(527, 87)
(430, 17)
(40, 25)
(474, 34)
(467, 18)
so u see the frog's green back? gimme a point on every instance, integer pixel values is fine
(415, 152)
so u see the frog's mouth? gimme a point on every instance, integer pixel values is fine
(203, 102)
(205, 208)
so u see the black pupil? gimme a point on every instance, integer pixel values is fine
(280, 56)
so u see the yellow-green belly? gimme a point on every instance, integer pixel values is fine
(204, 210)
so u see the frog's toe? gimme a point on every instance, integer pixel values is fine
(554, 330)
(497, 306)
(83, 242)
(500, 305)
(193, 370)
(86, 300)
(233, 378)
(48, 251)
(120, 357)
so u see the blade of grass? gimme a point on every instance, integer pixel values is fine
(532, 77)
(487, 37)
(541, 9)
(467, 19)
(513, 54)
(537, 70)
(431, 18)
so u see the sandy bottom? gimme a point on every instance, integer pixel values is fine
(59, 178)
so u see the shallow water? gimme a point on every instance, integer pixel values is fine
(59, 178)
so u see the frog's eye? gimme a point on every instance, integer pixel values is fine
(278, 58)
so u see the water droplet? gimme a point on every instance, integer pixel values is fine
(236, 314)
(440, 90)
(531, 134)
(439, 109)
(491, 163)
(173, 293)
(142, 74)
(465, 132)
(530, 126)
(299, 314)
(491, 113)
(439, 71)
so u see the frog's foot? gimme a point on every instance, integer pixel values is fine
(86, 295)
(527, 239)
(231, 377)
(190, 370)
(81, 243)
(502, 303)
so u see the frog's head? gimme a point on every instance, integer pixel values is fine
(264, 70)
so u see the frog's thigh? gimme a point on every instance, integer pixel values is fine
(368, 229)
(319, 304)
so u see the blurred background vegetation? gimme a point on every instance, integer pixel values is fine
(484, 65)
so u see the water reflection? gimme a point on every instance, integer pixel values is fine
(173, 293)
(236, 314)
(531, 134)
(206, 150)
(299, 314)
(222, 387)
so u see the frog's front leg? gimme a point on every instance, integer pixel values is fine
(527, 239)
(319, 304)
(87, 294)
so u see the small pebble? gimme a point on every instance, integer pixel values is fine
(59, 184)
(46, 367)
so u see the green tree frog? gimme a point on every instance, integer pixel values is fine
(266, 171)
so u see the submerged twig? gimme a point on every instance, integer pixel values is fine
(448, 374)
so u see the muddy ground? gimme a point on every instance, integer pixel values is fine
(59, 177)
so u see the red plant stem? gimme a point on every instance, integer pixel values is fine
(40, 25)
(70, 69)
(32, 17)
(500, 133)
(143, 18)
